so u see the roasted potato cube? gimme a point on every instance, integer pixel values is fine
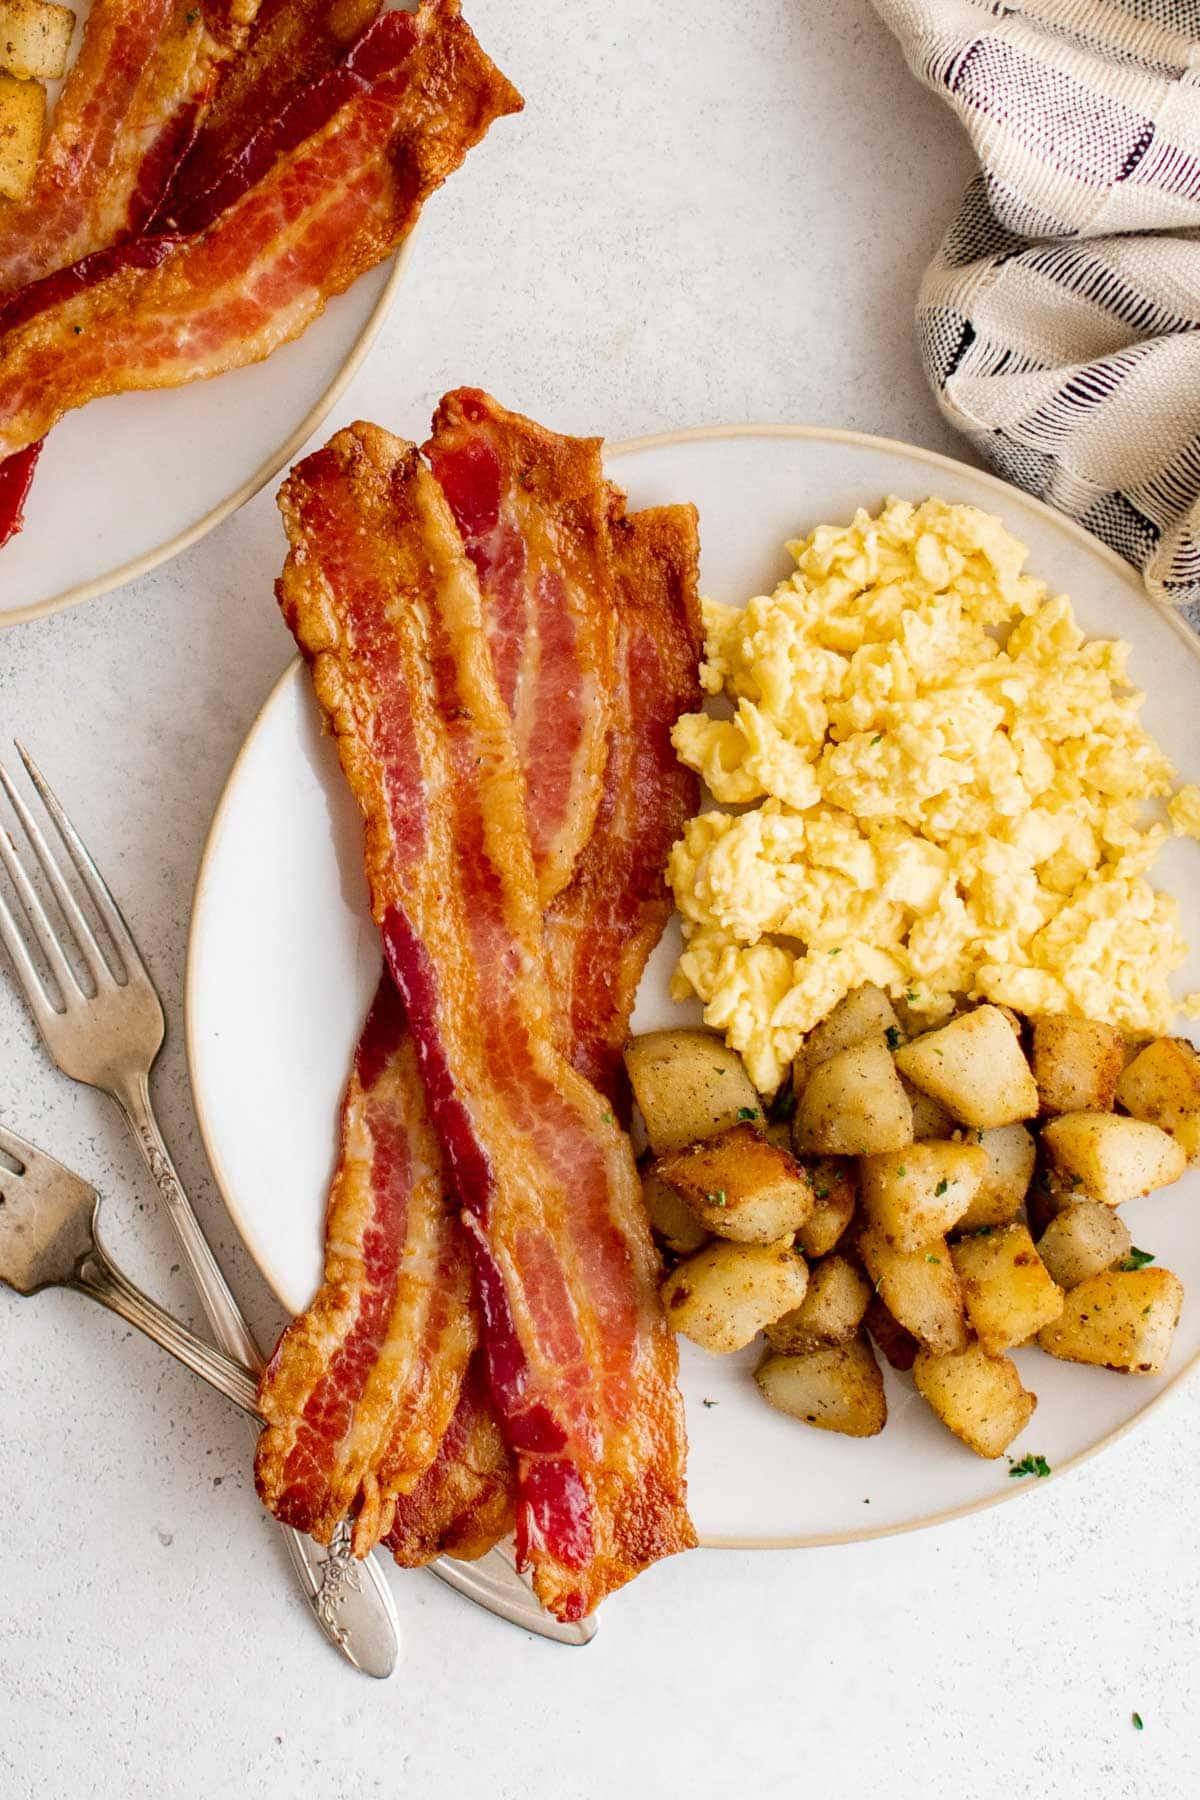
(688, 1086)
(1011, 1154)
(835, 1195)
(899, 1346)
(35, 38)
(723, 1295)
(836, 1388)
(919, 1288)
(930, 1120)
(1122, 1319)
(1081, 1240)
(975, 1067)
(865, 1012)
(741, 1187)
(830, 1312)
(1113, 1158)
(1008, 1291)
(22, 127)
(978, 1397)
(919, 1192)
(671, 1219)
(1162, 1086)
(853, 1104)
(1076, 1063)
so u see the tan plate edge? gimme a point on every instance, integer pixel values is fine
(662, 440)
(191, 534)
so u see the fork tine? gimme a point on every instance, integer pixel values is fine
(89, 874)
(39, 922)
(85, 937)
(40, 1003)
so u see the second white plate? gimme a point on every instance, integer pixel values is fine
(284, 957)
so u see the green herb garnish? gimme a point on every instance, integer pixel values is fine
(930, 1257)
(710, 1403)
(892, 1034)
(717, 1199)
(821, 1194)
(1137, 1259)
(940, 1189)
(877, 739)
(902, 1170)
(782, 1106)
(1137, 1722)
(747, 1112)
(607, 1118)
(1031, 1465)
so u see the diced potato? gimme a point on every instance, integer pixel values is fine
(830, 1312)
(1121, 1319)
(978, 1397)
(865, 1012)
(1011, 1154)
(22, 127)
(1008, 1291)
(919, 1288)
(1076, 1063)
(35, 38)
(671, 1218)
(853, 1104)
(836, 1388)
(899, 1346)
(1114, 1158)
(741, 1187)
(1081, 1240)
(1162, 1086)
(919, 1192)
(1050, 1190)
(835, 1195)
(930, 1120)
(688, 1086)
(975, 1067)
(723, 1295)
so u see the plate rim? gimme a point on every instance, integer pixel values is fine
(126, 572)
(295, 670)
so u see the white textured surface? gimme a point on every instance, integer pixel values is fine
(707, 212)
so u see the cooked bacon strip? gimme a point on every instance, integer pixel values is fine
(580, 1362)
(392, 1295)
(130, 107)
(531, 509)
(329, 209)
(291, 45)
(16, 479)
(463, 1504)
(598, 933)
(311, 1395)
(601, 930)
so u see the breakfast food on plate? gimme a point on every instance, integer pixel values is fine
(923, 804)
(926, 1256)
(162, 263)
(451, 613)
(35, 36)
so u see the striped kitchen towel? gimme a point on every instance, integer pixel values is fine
(1060, 321)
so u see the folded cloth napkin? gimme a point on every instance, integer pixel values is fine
(1060, 321)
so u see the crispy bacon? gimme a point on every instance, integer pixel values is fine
(291, 45)
(531, 509)
(383, 1347)
(580, 1363)
(463, 1504)
(598, 933)
(328, 209)
(602, 929)
(130, 107)
(312, 1390)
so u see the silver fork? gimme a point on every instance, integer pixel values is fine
(50, 1237)
(109, 1039)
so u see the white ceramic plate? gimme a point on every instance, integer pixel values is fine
(283, 960)
(127, 482)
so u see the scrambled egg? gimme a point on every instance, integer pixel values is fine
(919, 806)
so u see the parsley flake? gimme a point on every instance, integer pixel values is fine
(892, 1034)
(930, 1257)
(1031, 1465)
(720, 1068)
(836, 952)
(911, 996)
(941, 1188)
(747, 1112)
(717, 1199)
(877, 739)
(821, 1194)
(902, 1170)
(1137, 1259)
(710, 1403)
(1137, 1722)
(782, 1106)
(607, 1118)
